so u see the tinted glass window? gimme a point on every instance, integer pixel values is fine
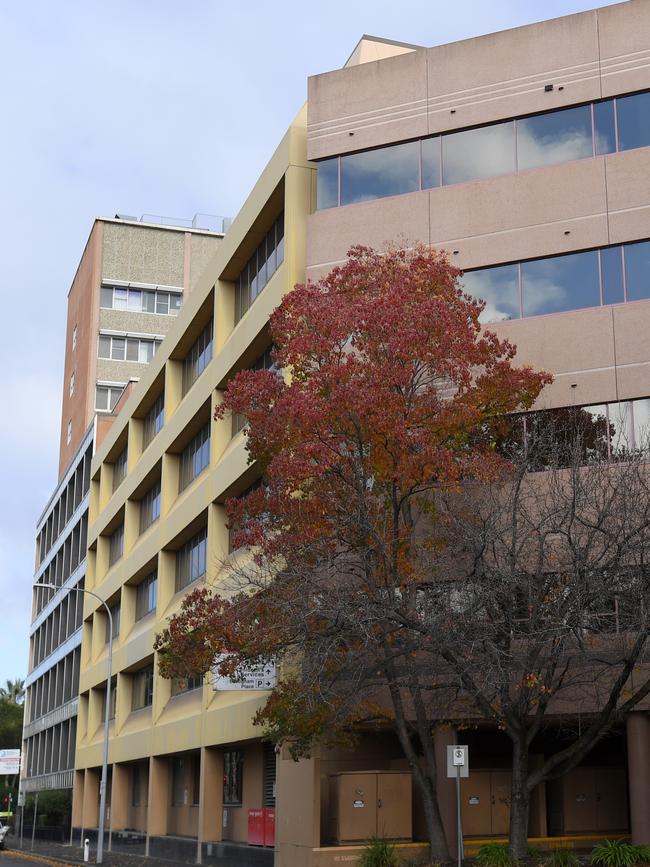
(641, 409)
(605, 142)
(633, 121)
(563, 283)
(499, 288)
(327, 183)
(106, 297)
(620, 427)
(637, 270)
(382, 172)
(430, 162)
(478, 153)
(554, 138)
(611, 265)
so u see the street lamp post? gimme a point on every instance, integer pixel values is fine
(104, 780)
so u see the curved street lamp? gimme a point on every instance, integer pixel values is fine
(102, 785)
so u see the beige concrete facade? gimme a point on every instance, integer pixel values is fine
(195, 724)
(600, 354)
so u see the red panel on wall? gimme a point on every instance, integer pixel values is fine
(269, 826)
(256, 827)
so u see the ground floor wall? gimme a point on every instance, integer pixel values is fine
(213, 797)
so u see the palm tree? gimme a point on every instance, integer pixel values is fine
(13, 691)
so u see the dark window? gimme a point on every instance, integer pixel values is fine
(561, 283)
(181, 685)
(637, 270)
(191, 560)
(268, 775)
(198, 358)
(499, 288)
(153, 421)
(633, 114)
(150, 507)
(611, 266)
(119, 468)
(604, 127)
(142, 695)
(381, 172)
(431, 163)
(178, 781)
(145, 598)
(115, 620)
(557, 137)
(261, 266)
(478, 153)
(327, 183)
(116, 545)
(233, 761)
(196, 779)
(195, 457)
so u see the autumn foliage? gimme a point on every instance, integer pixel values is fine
(385, 393)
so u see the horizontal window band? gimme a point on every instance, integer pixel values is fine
(151, 287)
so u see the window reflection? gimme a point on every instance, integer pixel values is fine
(637, 270)
(431, 162)
(382, 172)
(620, 423)
(562, 283)
(604, 128)
(478, 153)
(553, 138)
(641, 409)
(633, 114)
(499, 288)
(327, 183)
(611, 265)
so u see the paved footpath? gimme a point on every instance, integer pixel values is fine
(57, 854)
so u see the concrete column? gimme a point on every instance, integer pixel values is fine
(159, 796)
(446, 787)
(173, 386)
(131, 524)
(210, 828)
(90, 815)
(119, 797)
(638, 769)
(297, 822)
(224, 312)
(77, 799)
(169, 481)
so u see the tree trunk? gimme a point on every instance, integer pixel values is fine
(520, 800)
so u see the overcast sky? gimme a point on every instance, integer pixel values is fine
(145, 106)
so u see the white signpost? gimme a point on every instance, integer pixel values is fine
(457, 767)
(262, 676)
(9, 762)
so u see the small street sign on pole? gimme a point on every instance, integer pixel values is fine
(457, 767)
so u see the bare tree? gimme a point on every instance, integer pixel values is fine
(539, 597)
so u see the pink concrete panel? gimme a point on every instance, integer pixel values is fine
(625, 55)
(331, 232)
(628, 195)
(633, 381)
(362, 106)
(632, 330)
(503, 74)
(519, 216)
(563, 342)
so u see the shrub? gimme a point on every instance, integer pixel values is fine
(534, 852)
(495, 855)
(562, 858)
(614, 853)
(378, 852)
(643, 851)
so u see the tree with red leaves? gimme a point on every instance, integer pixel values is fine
(385, 394)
